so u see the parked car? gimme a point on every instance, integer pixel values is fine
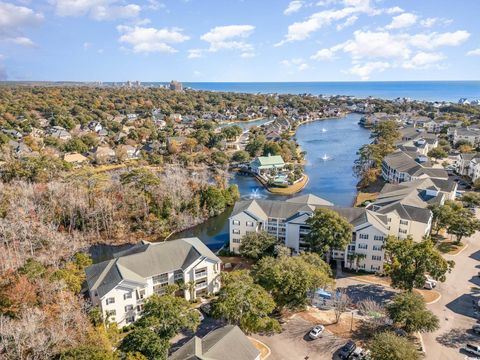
(428, 285)
(316, 332)
(359, 354)
(476, 329)
(347, 349)
(206, 308)
(472, 349)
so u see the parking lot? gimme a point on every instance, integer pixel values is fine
(293, 343)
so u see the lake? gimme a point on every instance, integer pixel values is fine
(330, 145)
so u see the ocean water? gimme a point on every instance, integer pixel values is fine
(417, 90)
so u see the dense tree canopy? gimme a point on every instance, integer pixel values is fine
(410, 312)
(328, 231)
(289, 279)
(244, 303)
(255, 245)
(389, 346)
(409, 261)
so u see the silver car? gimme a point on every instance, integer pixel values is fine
(316, 332)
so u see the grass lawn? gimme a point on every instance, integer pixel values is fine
(449, 247)
(363, 196)
(428, 295)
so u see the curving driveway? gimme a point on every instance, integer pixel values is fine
(455, 309)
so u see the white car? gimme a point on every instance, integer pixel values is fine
(316, 332)
(472, 349)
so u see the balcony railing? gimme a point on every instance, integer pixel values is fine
(200, 275)
(201, 285)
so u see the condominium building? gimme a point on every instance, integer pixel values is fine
(120, 286)
(287, 221)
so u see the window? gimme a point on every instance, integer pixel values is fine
(141, 294)
(377, 248)
(402, 231)
(375, 268)
(363, 236)
(378, 237)
(362, 246)
(403, 222)
(236, 222)
(178, 275)
(128, 308)
(127, 296)
(376, 258)
(140, 308)
(160, 278)
(111, 312)
(249, 223)
(236, 241)
(130, 319)
(110, 300)
(236, 231)
(199, 273)
(159, 289)
(389, 219)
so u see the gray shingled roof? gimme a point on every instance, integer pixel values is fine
(228, 342)
(145, 260)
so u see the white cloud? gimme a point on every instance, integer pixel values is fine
(230, 37)
(435, 40)
(349, 22)
(155, 5)
(394, 10)
(195, 53)
(302, 30)
(423, 60)
(430, 22)
(97, 9)
(21, 40)
(474, 52)
(370, 51)
(148, 40)
(323, 54)
(402, 21)
(247, 55)
(296, 63)
(293, 7)
(370, 44)
(13, 21)
(364, 71)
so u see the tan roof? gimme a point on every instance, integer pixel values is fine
(74, 157)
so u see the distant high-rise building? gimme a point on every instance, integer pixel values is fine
(176, 86)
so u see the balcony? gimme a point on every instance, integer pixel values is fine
(201, 285)
(201, 274)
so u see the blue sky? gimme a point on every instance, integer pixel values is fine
(239, 40)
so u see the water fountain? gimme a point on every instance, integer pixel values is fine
(254, 194)
(324, 130)
(325, 157)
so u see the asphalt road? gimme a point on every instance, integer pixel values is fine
(454, 308)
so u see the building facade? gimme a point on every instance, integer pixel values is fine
(121, 285)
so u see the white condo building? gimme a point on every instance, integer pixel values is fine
(121, 285)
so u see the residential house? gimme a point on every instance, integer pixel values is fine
(103, 154)
(468, 134)
(287, 221)
(59, 132)
(120, 286)
(13, 133)
(402, 166)
(227, 342)
(267, 163)
(75, 159)
(469, 165)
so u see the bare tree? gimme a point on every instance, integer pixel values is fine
(340, 303)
